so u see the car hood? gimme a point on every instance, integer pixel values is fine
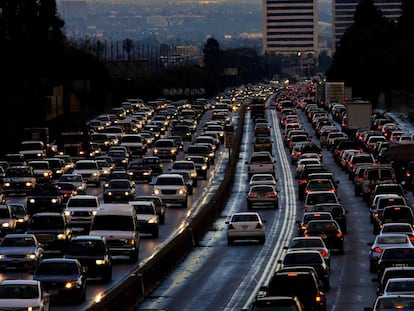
(17, 250)
(113, 234)
(55, 278)
(8, 304)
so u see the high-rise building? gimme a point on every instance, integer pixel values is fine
(343, 14)
(290, 26)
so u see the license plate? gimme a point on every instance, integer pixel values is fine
(118, 197)
(323, 236)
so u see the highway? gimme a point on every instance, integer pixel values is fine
(221, 277)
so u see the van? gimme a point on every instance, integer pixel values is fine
(118, 223)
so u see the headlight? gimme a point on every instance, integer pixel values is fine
(182, 191)
(127, 193)
(70, 285)
(45, 174)
(95, 174)
(7, 184)
(32, 201)
(67, 213)
(193, 175)
(152, 220)
(54, 201)
(155, 151)
(100, 262)
(156, 191)
(31, 256)
(20, 220)
(173, 151)
(61, 236)
(2, 257)
(131, 241)
(204, 167)
(5, 225)
(28, 184)
(33, 308)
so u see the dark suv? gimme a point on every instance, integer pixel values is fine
(51, 230)
(44, 198)
(302, 284)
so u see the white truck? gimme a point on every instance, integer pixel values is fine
(358, 114)
(334, 92)
(261, 162)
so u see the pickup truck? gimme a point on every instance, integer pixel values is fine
(261, 162)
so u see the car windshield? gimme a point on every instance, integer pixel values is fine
(243, 218)
(17, 172)
(46, 223)
(82, 203)
(300, 243)
(322, 226)
(144, 209)
(57, 268)
(17, 242)
(392, 240)
(183, 166)
(113, 223)
(86, 247)
(120, 184)
(302, 258)
(169, 181)
(318, 198)
(19, 291)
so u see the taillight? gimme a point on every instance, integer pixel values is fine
(251, 195)
(324, 253)
(339, 235)
(377, 250)
(308, 191)
(302, 181)
(272, 195)
(303, 227)
(318, 298)
(411, 238)
(306, 235)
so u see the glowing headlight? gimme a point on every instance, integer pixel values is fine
(127, 193)
(31, 256)
(95, 174)
(152, 220)
(132, 241)
(28, 184)
(45, 174)
(61, 236)
(54, 201)
(155, 151)
(67, 213)
(100, 262)
(204, 167)
(193, 175)
(20, 220)
(156, 191)
(2, 257)
(32, 201)
(182, 191)
(69, 285)
(5, 225)
(173, 151)
(7, 184)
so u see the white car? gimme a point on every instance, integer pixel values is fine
(262, 179)
(246, 226)
(89, 170)
(148, 221)
(23, 295)
(76, 180)
(171, 188)
(180, 166)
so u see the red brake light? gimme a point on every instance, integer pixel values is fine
(251, 195)
(324, 254)
(377, 250)
(339, 235)
(272, 195)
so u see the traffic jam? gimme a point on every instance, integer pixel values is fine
(72, 210)
(69, 207)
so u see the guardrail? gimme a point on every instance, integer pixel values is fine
(135, 287)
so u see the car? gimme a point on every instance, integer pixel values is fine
(119, 190)
(337, 211)
(180, 166)
(148, 220)
(296, 283)
(392, 272)
(105, 167)
(263, 143)
(92, 253)
(303, 161)
(399, 286)
(262, 179)
(18, 180)
(139, 171)
(165, 148)
(171, 188)
(89, 170)
(319, 197)
(383, 241)
(392, 302)
(44, 198)
(20, 250)
(397, 227)
(62, 278)
(328, 230)
(154, 163)
(42, 170)
(276, 303)
(318, 185)
(22, 217)
(245, 226)
(58, 167)
(262, 195)
(79, 210)
(395, 257)
(308, 216)
(261, 128)
(201, 164)
(51, 230)
(314, 242)
(159, 205)
(116, 174)
(308, 257)
(76, 180)
(23, 295)
(7, 220)
(66, 190)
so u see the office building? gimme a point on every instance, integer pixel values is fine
(290, 26)
(343, 14)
